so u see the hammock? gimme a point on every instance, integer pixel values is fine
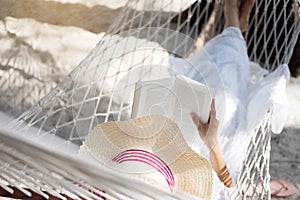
(98, 91)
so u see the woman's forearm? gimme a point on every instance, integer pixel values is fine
(208, 133)
(218, 164)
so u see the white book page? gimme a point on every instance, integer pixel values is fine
(190, 97)
(153, 98)
(176, 98)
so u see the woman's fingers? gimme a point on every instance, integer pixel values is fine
(213, 105)
(197, 122)
(208, 131)
(212, 115)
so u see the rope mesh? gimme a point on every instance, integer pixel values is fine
(46, 173)
(93, 92)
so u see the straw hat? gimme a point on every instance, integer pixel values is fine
(153, 149)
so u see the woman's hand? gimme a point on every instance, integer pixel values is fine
(208, 132)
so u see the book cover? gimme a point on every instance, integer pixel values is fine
(174, 97)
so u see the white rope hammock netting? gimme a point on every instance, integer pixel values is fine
(137, 44)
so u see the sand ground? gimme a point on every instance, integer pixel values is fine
(285, 153)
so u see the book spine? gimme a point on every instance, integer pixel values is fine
(172, 98)
(136, 101)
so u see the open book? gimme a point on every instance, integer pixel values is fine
(174, 97)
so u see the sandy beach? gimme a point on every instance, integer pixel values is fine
(285, 153)
(53, 46)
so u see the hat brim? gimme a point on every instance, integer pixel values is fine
(160, 136)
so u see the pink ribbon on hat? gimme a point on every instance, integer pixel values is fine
(143, 156)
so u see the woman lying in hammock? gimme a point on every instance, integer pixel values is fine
(236, 15)
(236, 21)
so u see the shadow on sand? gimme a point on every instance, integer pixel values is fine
(95, 19)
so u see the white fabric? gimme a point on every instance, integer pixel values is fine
(272, 89)
(217, 187)
(244, 92)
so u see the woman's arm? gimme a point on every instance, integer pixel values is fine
(208, 133)
(219, 166)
